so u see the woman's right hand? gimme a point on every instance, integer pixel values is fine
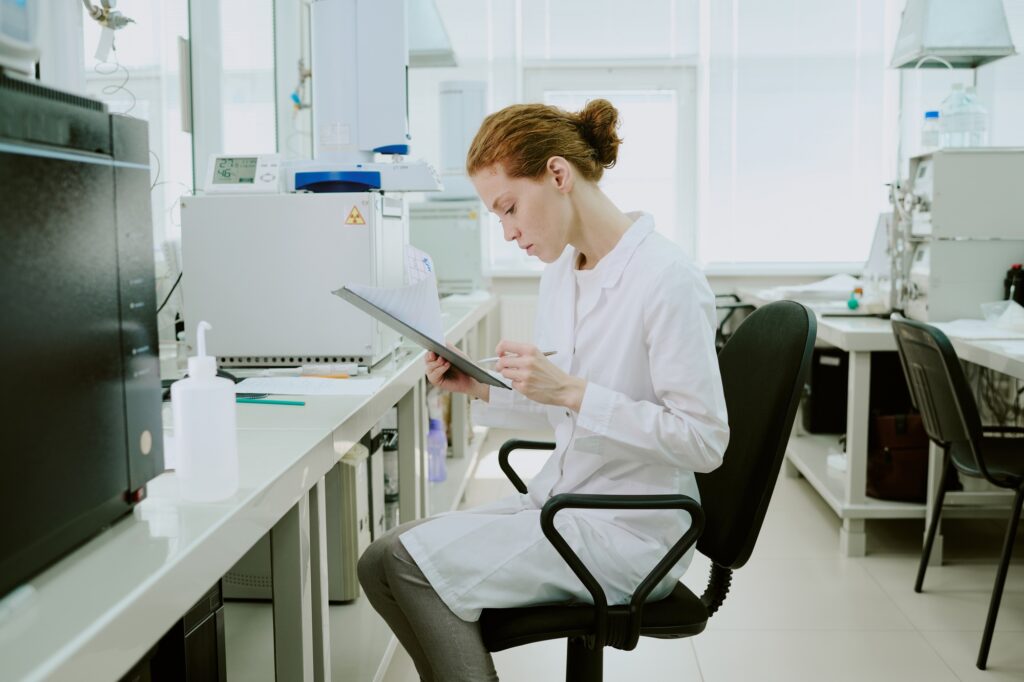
(440, 373)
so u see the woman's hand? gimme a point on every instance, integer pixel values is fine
(440, 373)
(536, 377)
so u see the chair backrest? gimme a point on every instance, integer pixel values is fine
(939, 389)
(764, 366)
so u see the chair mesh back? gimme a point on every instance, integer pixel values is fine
(937, 384)
(763, 367)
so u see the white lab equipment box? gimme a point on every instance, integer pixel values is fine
(950, 279)
(261, 268)
(348, 504)
(453, 233)
(463, 107)
(968, 193)
(964, 229)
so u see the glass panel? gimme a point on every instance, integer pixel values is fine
(232, 53)
(140, 78)
(247, 58)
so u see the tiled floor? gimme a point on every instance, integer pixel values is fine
(799, 611)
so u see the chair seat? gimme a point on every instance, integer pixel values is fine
(681, 614)
(1004, 459)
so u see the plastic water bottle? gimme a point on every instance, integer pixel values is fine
(953, 118)
(437, 452)
(204, 429)
(976, 119)
(930, 131)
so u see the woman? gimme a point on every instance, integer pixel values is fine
(633, 394)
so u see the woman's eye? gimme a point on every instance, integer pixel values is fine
(511, 210)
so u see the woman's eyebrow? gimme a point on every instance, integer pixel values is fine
(494, 206)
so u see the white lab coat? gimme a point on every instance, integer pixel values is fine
(652, 414)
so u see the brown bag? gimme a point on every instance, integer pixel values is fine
(897, 458)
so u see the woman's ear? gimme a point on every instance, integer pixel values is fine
(562, 173)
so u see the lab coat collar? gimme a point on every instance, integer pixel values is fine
(614, 263)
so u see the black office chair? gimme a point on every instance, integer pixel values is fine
(763, 370)
(729, 303)
(950, 415)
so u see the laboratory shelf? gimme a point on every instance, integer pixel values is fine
(447, 495)
(809, 453)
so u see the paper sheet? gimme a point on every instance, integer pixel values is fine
(836, 286)
(309, 386)
(417, 304)
(418, 265)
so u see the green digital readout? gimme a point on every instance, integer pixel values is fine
(235, 170)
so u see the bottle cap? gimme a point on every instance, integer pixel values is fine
(202, 365)
(931, 114)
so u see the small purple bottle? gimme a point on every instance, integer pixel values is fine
(437, 452)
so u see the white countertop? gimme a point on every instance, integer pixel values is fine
(848, 332)
(1003, 356)
(101, 608)
(98, 610)
(875, 334)
(857, 333)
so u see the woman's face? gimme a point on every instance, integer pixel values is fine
(535, 214)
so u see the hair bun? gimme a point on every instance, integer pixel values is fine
(598, 122)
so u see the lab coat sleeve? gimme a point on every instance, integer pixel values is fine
(509, 409)
(688, 426)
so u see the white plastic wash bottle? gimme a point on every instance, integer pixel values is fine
(204, 429)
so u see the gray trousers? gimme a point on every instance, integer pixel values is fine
(443, 647)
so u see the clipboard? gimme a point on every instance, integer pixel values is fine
(465, 365)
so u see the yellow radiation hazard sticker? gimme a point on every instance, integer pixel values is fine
(355, 217)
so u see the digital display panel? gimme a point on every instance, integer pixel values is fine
(235, 170)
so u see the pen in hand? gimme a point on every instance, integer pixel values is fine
(498, 357)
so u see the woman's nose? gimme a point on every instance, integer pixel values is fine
(511, 234)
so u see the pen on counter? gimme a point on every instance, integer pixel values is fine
(546, 353)
(262, 401)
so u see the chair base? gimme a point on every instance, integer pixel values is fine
(583, 664)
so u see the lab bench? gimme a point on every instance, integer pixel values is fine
(96, 612)
(845, 492)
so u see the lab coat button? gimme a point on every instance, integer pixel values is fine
(567, 413)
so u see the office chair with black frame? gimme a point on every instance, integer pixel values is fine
(729, 303)
(940, 392)
(763, 369)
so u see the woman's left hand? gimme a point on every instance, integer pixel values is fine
(536, 377)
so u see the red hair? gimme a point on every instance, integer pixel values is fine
(522, 138)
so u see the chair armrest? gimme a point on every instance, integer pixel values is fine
(515, 444)
(626, 626)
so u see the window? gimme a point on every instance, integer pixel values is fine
(798, 116)
(655, 171)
